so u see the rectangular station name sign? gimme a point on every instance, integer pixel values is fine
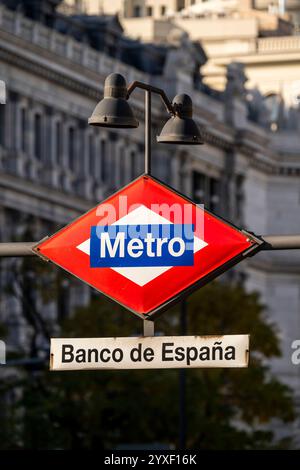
(151, 352)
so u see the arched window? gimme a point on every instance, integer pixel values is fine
(38, 142)
(274, 104)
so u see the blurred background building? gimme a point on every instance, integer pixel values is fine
(290, 7)
(259, 34)
(239, 60)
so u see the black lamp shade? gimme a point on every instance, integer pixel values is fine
(181, 128)
(114, 110)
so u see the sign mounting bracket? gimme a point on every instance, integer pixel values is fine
(148, 327)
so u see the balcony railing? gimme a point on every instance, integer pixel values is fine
(64, 46)
(278, 44)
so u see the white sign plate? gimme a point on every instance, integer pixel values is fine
(151, 352)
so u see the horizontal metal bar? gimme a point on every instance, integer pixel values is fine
(281, 242)
(272, 242)
(17, 249)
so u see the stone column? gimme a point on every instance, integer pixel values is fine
(246, 4)
(235, 115)
(2, 92)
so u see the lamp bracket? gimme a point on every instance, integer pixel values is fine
(145, 86)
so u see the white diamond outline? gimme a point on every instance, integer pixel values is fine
(141, 276)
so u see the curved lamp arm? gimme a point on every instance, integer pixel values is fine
(152, 89)
(170, 108)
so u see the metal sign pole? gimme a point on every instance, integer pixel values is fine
(182, 382)
(148, 327)
(147, 132)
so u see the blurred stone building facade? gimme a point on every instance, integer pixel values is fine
(291, 7)
(53, 167)
(261, 36)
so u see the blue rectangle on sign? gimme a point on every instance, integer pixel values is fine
(142, 245)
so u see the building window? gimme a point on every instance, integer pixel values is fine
(104, 168)
(274, 104)
(63, 300)
(57, 142)
(92, 156)
(133, 164)
(206, 191)
(111, 161)
(163, 165)
(180, 5)
(213, 202)
(71, 148)
(199, 188)
(122, 166)
(79, 6)
(149, 11)
(37, 136)
(163, 10)
(2, 125)
(239, 197)
(23, 128)
(137, 11)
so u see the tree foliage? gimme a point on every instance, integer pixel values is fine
(226, 408)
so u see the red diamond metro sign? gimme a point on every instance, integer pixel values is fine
(146, 246)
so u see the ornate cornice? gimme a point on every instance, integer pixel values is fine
(56, 77)
(217, 134)
(51, 197)
(209, 137)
